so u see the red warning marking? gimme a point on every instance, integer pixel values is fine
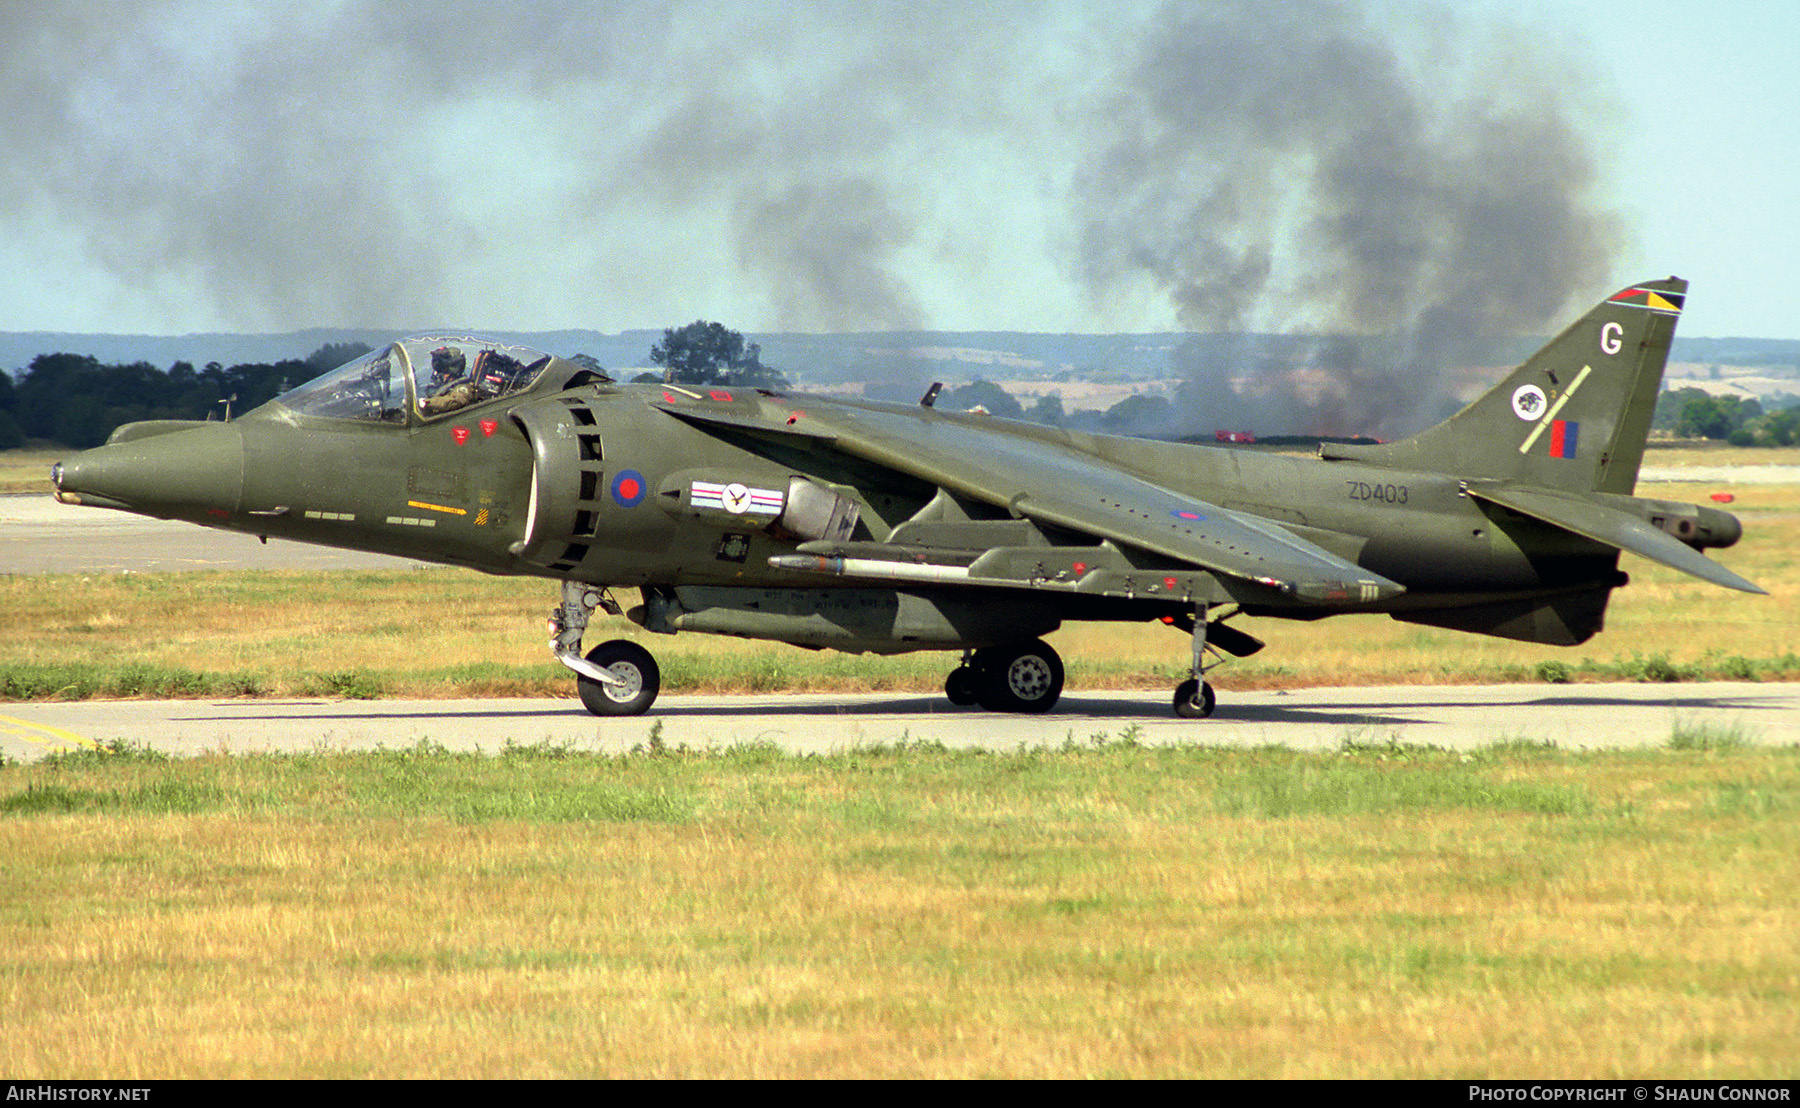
(1723, 497)
(1169, 582)
(488, 427)
(460, 434)
(1080, 568)
(720, 395)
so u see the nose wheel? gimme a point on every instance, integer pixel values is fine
(635, 680)
(617, 678)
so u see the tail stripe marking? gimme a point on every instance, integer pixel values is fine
(1668, 303)
(1550, 416)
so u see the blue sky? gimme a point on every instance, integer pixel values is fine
(198, 165)
(1705, 153)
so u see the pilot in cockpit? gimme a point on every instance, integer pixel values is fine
(451, 385)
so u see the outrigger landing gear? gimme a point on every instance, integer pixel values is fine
(1021, 677)
(1194, 697)
(617, 678)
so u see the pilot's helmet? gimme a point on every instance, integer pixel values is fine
(447, 363)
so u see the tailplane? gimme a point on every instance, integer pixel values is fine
(1574, 417)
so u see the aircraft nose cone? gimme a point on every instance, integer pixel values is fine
(194, 473)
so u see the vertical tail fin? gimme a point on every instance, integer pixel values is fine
(1574, 417)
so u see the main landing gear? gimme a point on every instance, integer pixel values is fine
(617, 678)
(1022, 677)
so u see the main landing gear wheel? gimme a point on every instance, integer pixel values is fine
(1194, 699)
(960, 687)
(639, 680)
(1027, 677)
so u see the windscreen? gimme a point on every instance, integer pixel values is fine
(373, 387)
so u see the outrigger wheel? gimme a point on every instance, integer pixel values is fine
(1194, 699)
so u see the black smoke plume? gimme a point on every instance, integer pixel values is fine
(1376, 200)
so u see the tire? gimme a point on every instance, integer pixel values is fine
(1023, 678)
(960, 687)
(632, 664)
(1194, 699)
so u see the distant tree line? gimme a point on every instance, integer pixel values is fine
(74, 400)
(1696, 414)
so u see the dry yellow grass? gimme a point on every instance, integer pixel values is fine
(27, 471)
(1086, 914)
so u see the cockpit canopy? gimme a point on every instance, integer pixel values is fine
(429, 376)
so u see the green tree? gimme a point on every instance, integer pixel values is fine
(1048, 410)
(1715, 417)
(984, 394)
(1784, 426)
(706, 353)
(12, 436)
(1138, 414)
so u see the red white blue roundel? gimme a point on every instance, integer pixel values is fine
(1188, 514)
(628, 488)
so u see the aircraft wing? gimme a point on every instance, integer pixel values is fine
(1065, 487)
(1605, 524)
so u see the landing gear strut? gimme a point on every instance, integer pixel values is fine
(1194, 697)
(1021, 677)
(617, 678)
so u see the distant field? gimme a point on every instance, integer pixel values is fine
(28, 470)
(359, 634)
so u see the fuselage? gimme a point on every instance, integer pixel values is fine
(597, 483)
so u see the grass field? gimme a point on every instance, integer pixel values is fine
(1105, 910)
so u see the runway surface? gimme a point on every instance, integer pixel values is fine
(1619, 716)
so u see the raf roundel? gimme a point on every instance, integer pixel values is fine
(628, 488)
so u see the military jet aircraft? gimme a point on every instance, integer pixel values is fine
(884, 528)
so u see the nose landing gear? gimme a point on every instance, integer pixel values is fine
(617, 678)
